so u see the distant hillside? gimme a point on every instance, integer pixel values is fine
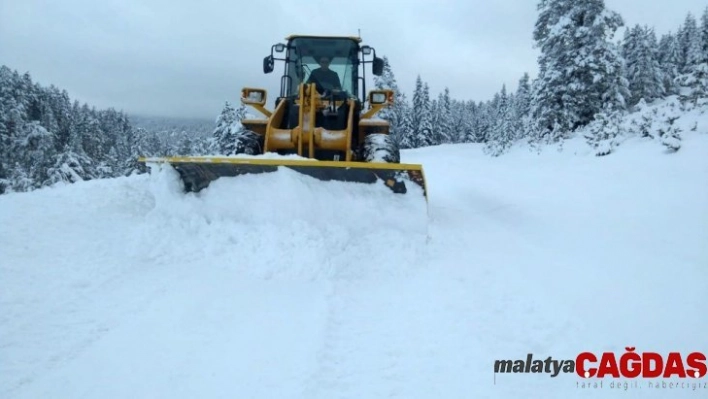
(46, 138)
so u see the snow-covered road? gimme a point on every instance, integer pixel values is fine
(281, 287)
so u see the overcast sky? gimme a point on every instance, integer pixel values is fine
(179, 58)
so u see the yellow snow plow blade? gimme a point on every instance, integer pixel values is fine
(198, 172)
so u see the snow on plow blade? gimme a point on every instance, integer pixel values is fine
(198, 172)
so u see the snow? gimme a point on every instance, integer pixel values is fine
(328, 135)
(382, 146)
(281, 286)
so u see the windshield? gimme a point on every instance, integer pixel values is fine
(323, 56)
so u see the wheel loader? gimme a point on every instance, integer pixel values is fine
(323, 123)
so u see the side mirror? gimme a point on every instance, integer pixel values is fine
(381, 97)
(378, 66)
(268, 64)
(253, 96)
(279, 48)
(366, 50)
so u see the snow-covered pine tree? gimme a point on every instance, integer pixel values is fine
(10, 120)
(690, 44)
(642, 120)
(416, 117)
(693, 78)
(230, 135)
(601, 134)
(502, 134)
(223, 133)
(579, 67)
(35, 146)
(421, 115)
(670, 61)
(484, 121)
(470, 114)
(426, 130)
(61, 105)
(405, 139)
(704, 34)
(405, 127)
(138, 146)
(93, 138)
(446, 125)
(459, 121)
(72, 163)
(522, 107)
(642, 68)
(435, 122)
(669, 132)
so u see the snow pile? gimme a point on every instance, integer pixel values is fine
(319, 226)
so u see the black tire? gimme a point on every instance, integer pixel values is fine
(248, 142)
(379, 147)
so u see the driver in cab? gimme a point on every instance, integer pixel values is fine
(323, 77)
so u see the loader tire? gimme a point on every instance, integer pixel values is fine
(248, 142)
(379, 147)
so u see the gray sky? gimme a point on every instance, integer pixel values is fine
(178, 58)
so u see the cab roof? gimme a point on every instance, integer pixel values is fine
(355, 38)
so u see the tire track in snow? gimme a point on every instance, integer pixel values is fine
(356, 355)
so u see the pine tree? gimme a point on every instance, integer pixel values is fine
(643, 71)
(230, 135)
(669, 132)
(459, 120)
(470, 122)
(670, 62)
(435, 122)
(72, 163)
(406, 137)
(445, 128)
(580, 70)
(416, 116)
(502, 134)
(223, 133)
(704, 35)
(484, 121)
(690, 42)
(693, 81)
(602, 133)
(425, 133)
(522, 106)
(36, 146)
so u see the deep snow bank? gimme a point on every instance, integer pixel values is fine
(286, 224)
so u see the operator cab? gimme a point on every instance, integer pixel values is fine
(332, 63)
(303, 56)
